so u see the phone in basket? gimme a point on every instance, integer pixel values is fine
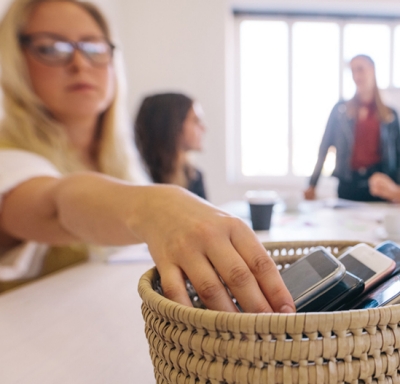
(387, 293)
(368, 264)
(347, 289)
(392, 250)
(312, 275)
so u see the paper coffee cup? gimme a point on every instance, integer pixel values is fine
(391, 222)
(261, 204)
(292, 200)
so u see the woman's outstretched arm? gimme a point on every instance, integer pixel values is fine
(187, 237)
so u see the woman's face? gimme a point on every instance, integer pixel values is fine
(193, 129)
(363, 74)
(78, 89)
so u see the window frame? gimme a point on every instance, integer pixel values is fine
(234, 134)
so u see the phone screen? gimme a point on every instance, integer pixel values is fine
(356, 267)
(307, 272)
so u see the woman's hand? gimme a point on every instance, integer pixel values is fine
(309, 193)
(383, 186)
(188, 237)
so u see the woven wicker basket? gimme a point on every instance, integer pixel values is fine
(192, 345)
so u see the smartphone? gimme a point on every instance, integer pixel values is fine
(347, 289)
(312, 275)
(387, 293)
(368, 264)
(392, 250)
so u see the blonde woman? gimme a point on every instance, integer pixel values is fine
(64, 178)
(366, 135)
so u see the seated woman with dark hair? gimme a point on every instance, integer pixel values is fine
(168, 126)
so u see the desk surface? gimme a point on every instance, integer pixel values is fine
(84, 325)
(80, 326)
(314, 221)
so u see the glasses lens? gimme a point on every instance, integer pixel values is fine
(52, 51)
(98, 52)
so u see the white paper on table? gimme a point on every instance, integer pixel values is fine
(126, 254)
(338, 203)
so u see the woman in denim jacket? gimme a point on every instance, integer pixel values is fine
(366, 136)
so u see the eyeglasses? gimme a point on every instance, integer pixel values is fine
(52, 49)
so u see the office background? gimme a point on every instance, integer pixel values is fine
(188, 45)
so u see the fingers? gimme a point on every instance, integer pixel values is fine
(204, 280)
(309, 193)
(240, 280)
(383, 186)
(375, 183)
(228, 249)
(380, 178)
(208, 285)
(174, 285)
(263, 269)
(250, 273)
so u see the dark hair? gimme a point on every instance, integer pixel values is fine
(158, 127)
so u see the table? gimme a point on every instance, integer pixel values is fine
(83, 325)
(79, 326)
(318, 221)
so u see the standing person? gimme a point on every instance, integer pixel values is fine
(65, 169)
(168, 126)
(366, 135)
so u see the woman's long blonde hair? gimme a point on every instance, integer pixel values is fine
(353, 105)
(28, 125)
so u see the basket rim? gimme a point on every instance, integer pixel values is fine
(276, 323)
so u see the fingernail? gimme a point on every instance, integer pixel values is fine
(287, 309)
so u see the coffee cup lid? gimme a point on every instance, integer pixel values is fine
(261, 197)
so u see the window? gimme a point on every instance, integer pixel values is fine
(291, 73)
(264, 98)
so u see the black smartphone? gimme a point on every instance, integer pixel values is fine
(349, 288)
(387, 293)
(392, 250)
(312, 275)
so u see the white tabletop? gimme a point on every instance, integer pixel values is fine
(79, 326)
(318, 221)
(84, 325)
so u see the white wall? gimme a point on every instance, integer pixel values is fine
(180, 45)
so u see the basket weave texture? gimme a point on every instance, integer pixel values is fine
(193, 345)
